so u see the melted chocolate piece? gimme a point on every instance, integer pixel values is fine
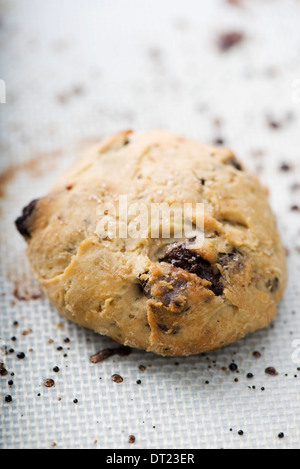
(22, 223)
(189, 260)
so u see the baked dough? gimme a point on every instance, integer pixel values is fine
(173, 296)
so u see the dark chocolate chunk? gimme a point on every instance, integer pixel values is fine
(22, 223)
(189, 260)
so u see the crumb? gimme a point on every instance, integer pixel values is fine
(271, 371)
(228, 40)
(131, 439)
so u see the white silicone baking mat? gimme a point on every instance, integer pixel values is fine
(75, 71)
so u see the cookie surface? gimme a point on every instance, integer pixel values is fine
(169, 295)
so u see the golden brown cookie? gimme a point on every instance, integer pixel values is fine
(169, 295)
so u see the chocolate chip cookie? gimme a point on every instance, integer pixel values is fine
(172, 295)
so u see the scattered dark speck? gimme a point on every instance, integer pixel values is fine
(280, 435)
(139, 381)
(21, 355)
(219, 141)
(233, 367)
(285, 167)
(8, 398)
(10, 382)
(273, 124)
(75, 401)
(250, 376)
(240, 432)
(228, 40)
(56, 369)
(256, 354)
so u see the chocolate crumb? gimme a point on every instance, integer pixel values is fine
(3, 371)
(271, 371)
(131, 439)
(117, 378)
(233, 367)
(228, 40)
(142, 367)
(256, 354)
(109, 352)
(48, 382)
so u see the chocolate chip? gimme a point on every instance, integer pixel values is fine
(22, 223)
(235, 163)
(189, 260)
(228, 40)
